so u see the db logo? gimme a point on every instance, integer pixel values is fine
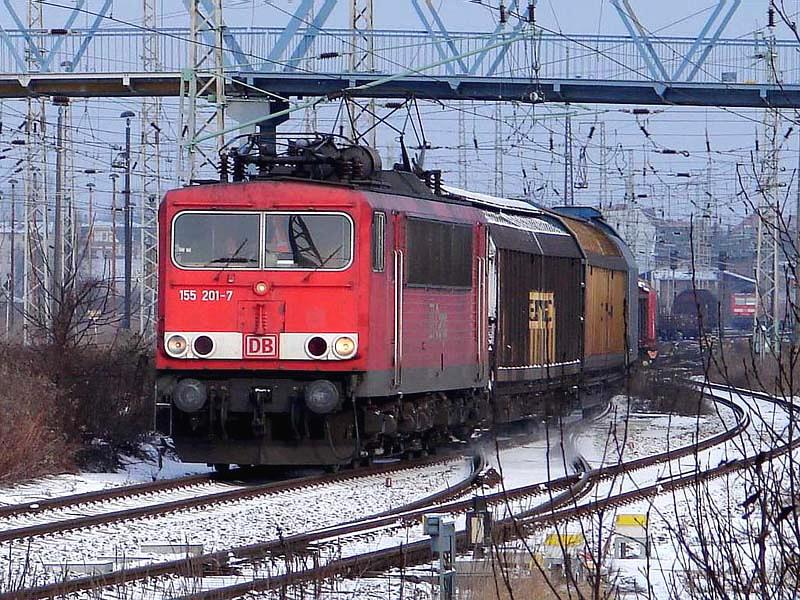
(261, 346)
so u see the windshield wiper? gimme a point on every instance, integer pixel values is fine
(233, 259)
(230, 259)
(323, 262)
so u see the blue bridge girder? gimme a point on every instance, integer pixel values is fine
(105, 62)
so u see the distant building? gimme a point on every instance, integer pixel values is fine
(638, 227)
(696, 265)
(658, 242)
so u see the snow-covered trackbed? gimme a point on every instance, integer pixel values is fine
(128, 503)
(557, 508)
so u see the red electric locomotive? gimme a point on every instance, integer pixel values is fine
(320, 310)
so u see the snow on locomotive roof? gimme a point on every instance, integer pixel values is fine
(527, 223)
(492, 201)
(531, 220)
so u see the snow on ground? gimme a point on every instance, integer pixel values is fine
(619, 433)
(542, 458)
(689, 510)
(134, 470)
(233, 524)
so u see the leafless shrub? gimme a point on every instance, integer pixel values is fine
(658, 390)
(30, 437)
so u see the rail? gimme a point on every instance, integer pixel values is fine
(200, 500)
(511, 527)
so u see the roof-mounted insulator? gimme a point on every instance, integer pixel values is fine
(326, 55)
(531, 12)
(641, 111)
(591, 132)
(503, 14)
(771, 16)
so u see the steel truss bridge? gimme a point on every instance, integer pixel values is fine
(431, 64)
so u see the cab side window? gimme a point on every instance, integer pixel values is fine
(378, 241)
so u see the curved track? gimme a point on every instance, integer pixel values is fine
(560, 507)
(214, 561)
(562, 504)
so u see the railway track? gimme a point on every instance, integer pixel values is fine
(563, 495)
(217, 559)
(558, 508)
(562, 492)
(127, 491)
(237, 492)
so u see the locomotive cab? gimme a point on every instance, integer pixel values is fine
(262, 329)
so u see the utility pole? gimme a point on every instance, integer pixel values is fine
(70, 221)
(796, 308)
(705, 199)
(114, 177)
(362, 59)
(603, 167)
(499, 167)
(462, 147)
(310, 113)
(126, 310)
(569, 179)
(36, 272)
(150, 169)
(57, 293)
(12, 287)
(90, 232)
(766, 321)
(206, 61)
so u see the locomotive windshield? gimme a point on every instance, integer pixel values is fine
(301, 241)
(307, 241)
(209, 240)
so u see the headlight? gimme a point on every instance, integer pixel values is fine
(189, 395)
(322, 397)
(176, 345)
(344, 347)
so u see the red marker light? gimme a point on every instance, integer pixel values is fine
(317, 346)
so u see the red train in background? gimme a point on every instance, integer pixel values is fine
(319, 310)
